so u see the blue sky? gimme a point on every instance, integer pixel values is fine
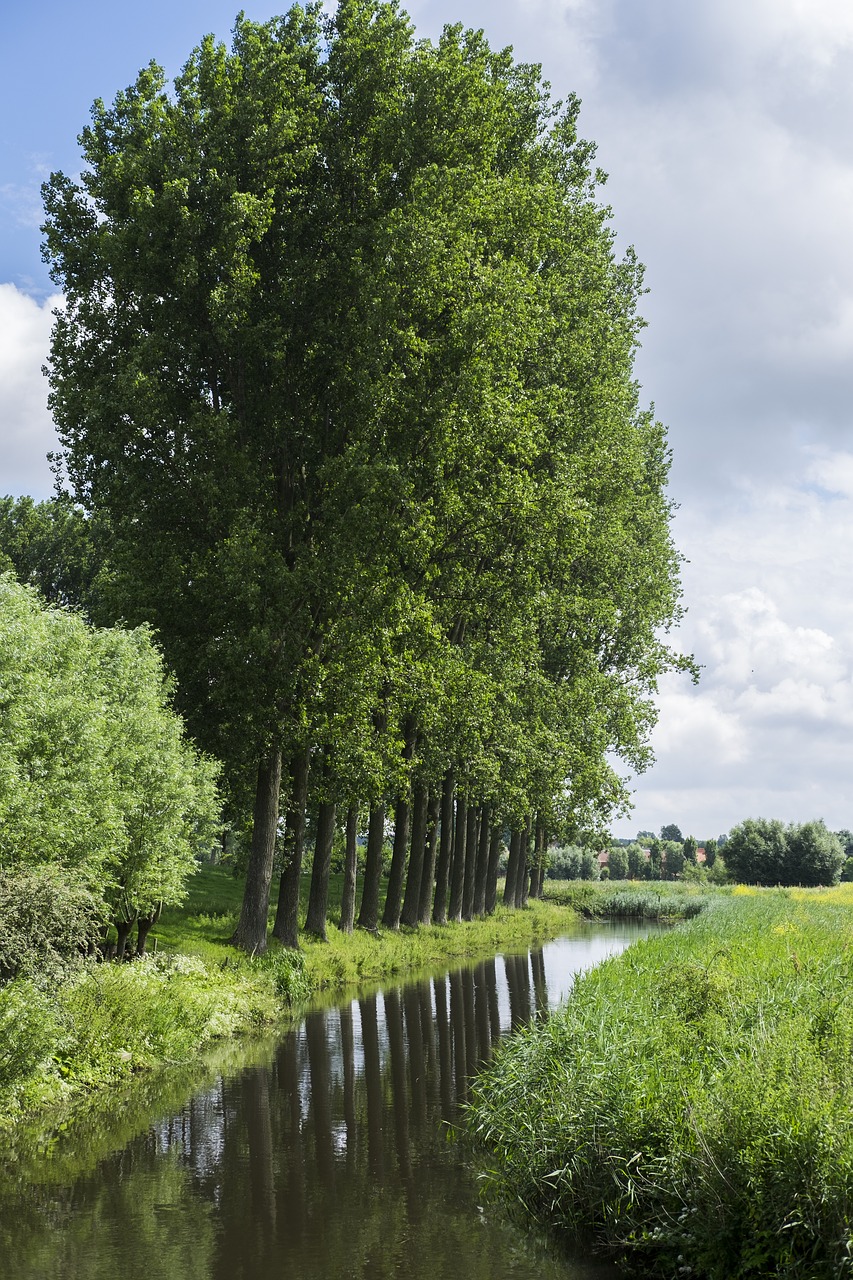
(725, 128)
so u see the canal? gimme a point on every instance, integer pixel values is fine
(335, 1155)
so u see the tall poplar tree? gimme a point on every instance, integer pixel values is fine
(346, 363)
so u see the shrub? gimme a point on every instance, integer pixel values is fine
(46, 920)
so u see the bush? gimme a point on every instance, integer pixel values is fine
(572, 862)
(46, 920)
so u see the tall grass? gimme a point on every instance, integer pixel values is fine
(632, 899)
(691, 1109)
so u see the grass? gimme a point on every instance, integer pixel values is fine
(206, 921)
(690, 1112)
(64, 1044)
(667, 900)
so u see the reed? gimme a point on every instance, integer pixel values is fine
(690, 1111)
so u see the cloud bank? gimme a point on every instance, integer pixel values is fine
(27, 432)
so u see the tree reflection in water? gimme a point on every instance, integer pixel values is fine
(332, 1160)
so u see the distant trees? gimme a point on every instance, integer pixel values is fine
(98, 784)
(765, 851)
(617, 861)
(53, 547)
(671, 832)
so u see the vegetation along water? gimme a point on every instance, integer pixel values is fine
(328, 1151)
(690, 1111)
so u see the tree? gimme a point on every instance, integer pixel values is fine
(55, 547)
(846, 838)
(756, 852)
(710, 853)
(673, 859)
(97, 780)
(618, 862)
(813, 855)
(690, 848)
(671, 832)
(346, 364)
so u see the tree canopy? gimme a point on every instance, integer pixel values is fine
(765, 851)
(346, 364)
(97, 781)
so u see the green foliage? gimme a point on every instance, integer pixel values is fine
(29, 1031)
(96, 777)
(46, 920)
(765, 852)
(346, 365)
(53, 547)
(691, 1109)
(617, 862)
(572, 862)
(286, 967)
(671, 832)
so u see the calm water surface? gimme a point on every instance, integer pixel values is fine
(334, 1158)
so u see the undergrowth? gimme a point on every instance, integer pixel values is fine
(690, 1111)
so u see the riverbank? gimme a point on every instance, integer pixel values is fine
(66, 1044)
(690, 1111)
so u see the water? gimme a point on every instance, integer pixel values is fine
(334, 1156)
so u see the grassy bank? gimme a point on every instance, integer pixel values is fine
(691, 1110)
(65, 1042)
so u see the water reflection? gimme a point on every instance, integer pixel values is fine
(330, 1160)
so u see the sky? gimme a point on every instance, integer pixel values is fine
(724, 127)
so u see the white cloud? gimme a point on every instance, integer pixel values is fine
(26, 429)
(769, 728)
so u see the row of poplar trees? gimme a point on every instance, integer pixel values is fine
(345, 370)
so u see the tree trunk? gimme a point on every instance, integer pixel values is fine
(411, 902)
(394, 892)
(251, 932)
(428, 872)
(318, 898)
(512, 868)
(457, 872)
(492, 873)
(538, 862)
(350, 871)
(144, 925)
(402, 815)
(368, 916)
(123, 928)
(521, 884)
(471, 834)
(482, 868)
(286, 926)
(445, 851)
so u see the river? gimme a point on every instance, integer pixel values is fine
(333, 1156)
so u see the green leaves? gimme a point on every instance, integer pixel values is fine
(347, 360)
(96, 778)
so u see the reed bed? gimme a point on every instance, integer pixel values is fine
(690, 1111)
